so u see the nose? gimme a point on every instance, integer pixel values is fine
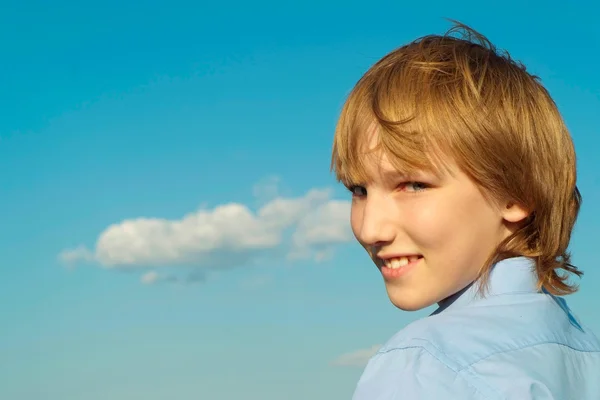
(376, 222)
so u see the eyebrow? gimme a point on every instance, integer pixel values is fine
(388, 175)
(395, 173)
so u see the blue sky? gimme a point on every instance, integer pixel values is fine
(183, 122)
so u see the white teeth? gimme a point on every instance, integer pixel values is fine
(395, 263)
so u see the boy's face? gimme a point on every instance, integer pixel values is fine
(444, 226)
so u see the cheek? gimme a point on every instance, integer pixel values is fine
(430, 223)
(453, 222)
(356, 218)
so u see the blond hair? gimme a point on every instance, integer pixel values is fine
(458, 95)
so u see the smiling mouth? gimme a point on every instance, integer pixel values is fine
(394, 268)
(399, 262)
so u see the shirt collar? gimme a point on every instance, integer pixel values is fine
(512, 275)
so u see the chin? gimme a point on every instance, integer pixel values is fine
(407, 301)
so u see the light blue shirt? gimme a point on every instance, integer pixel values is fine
(515, 343)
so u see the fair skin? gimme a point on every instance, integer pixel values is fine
(443, 224)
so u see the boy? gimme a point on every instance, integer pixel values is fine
(463, 183)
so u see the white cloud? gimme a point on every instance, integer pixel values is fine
(321, 229)
(153, 277)
(71, 256)
(267, 189)
(225, 236)
(149, 278)
(358, 358)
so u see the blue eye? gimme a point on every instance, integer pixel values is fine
(358, 191)
(414, 186)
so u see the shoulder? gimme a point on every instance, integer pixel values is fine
(495, 325)
(489, 346)
(414, 372)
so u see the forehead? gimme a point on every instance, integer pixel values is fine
(379, 157)
(370, 140)
(370, 128)
(376, 159)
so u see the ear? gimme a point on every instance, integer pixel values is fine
(514, 213)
